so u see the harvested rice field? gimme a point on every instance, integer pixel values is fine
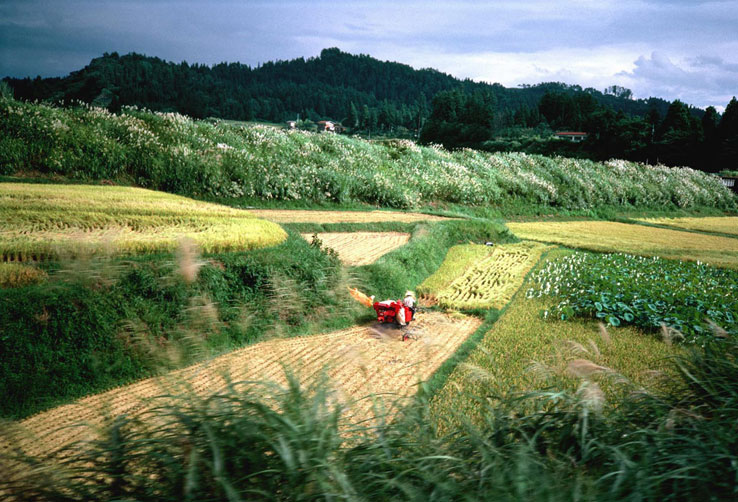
(360, 361)
(309, 216)
(718, 224)
(633, 238)
(361, 248)
(42, 221)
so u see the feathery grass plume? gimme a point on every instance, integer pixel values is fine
(717, 330)
(594, 347)
(576, 347)
(604, 334)
(285, 299)
(188, 260)
(540, 369)
(669, 334)
(584, 368)
(591, 395)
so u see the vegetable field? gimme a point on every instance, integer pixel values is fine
(360, 361)
(718, 224)
(489, 281)
(635, 239)
(361, 248)
(646, 292)
(43, 221)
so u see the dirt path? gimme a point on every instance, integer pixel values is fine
(310, 216)
(360, 361)
(361, 248)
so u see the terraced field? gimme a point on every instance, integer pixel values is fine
(309, 216)
(360, 361)
(632, 238)
(718, 224)
(41, 221)
(361, 248)
(482, 277)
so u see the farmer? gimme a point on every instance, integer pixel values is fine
(409, 301)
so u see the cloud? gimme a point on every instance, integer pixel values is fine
(701, 80)
(692, 45)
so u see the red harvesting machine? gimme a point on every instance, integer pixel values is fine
(388, 309)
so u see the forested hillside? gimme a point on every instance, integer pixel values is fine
(361, 91)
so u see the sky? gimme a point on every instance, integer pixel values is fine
(675, 49)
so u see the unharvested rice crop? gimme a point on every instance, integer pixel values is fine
(719, 224)
(635, 239)
(41, 221)
(308, 216)
(493, 280)
(457, 261)
(18, 274)
(360, 361)
(361, 248)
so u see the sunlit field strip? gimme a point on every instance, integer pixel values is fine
(361, 248)
(719, 224)
(360, 361)
(42, 221)
(632, 238)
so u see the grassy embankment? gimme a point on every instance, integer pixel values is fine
(258, 164)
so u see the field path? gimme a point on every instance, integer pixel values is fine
(360, 361)
(361, 248)
(315, 216)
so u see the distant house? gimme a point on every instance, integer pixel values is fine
(573, 136)
(730, 182)
(326, 126)
(291, 124)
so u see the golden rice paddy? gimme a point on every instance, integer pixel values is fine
(42, 221)
(632, 238)
(718, 224)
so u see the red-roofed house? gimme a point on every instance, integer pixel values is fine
(573, 136)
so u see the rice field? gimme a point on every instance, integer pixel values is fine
(633, 238)
(41, 221)
(718, 224)
(360, 361)
(317, 216)
(481, 277)
(361, 248)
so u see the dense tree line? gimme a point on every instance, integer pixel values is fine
(364, 93)
(682, 136)
(393, 99)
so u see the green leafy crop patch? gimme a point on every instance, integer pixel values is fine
(646, 292)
